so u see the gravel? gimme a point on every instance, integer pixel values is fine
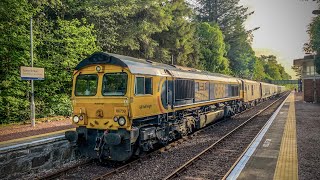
(308, 138)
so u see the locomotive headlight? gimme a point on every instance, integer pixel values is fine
(75, 119)
(115, 119)
(121, 121)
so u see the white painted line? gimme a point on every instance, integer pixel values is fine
(243, 161)
(27, 144)
(266, 143)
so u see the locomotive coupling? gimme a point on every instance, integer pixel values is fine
(112, 138)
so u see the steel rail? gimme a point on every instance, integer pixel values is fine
(190, 162)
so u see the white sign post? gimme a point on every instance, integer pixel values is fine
(32, 73)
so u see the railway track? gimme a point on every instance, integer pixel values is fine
(67, 173)
(221, 152)
(62, 172)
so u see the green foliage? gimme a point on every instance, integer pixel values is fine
(240, 52)
(314, 44)
(179, 41)
(258, 72)
(14, 52)
(267, 68)
(58, 46)
(212, 48)
(230, 16)
(65, 32)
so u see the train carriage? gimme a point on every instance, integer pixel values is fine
(252, 92)
(123, 105)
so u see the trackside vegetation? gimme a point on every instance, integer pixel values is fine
(203, 34)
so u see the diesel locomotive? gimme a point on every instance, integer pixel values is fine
(124, 106)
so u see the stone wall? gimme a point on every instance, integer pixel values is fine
(30, 160)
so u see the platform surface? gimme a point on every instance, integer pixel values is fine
(275, 154)
(32, 140)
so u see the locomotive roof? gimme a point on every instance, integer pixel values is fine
(147, 67)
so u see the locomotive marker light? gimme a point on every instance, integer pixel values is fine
(115, 119)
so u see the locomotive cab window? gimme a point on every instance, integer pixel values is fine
(86, 85)
(114, 84)
(143, 85)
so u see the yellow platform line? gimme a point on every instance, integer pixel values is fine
(287, 164)
(35, 136)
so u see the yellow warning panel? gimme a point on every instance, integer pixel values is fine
(287, 164)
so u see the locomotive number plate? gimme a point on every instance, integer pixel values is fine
(120, 111)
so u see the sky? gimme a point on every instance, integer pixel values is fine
(283, 25)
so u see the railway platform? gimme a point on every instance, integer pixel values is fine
(287, 147)
(21, 143)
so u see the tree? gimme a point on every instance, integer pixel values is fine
(14, 52)
(230, 16)
(212, 48)
(179, 41)
(259, 72)
(58, 46)
(226, 13)
(314, 43)
(240, 53)
(273, 70)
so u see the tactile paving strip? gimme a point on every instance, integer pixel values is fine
(287, 164)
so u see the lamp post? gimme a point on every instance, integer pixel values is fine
(32, 106)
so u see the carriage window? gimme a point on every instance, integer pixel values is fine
(86, 85)
(114, 84)
(252, 89)
(143, 85)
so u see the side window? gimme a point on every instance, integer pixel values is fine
(148, 85)
(143, 85)
(139, 85)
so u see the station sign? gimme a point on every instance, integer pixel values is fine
(31, 73)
